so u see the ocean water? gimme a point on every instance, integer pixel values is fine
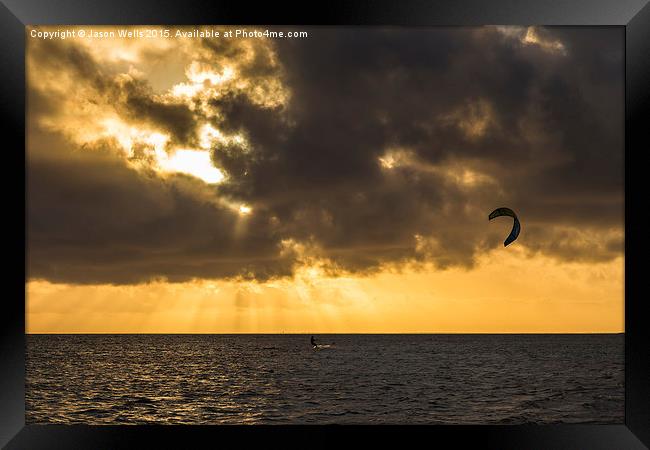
(359, 379)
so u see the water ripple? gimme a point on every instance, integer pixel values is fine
(249, 379)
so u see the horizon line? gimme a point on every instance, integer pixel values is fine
(321, 333)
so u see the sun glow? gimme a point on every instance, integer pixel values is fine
(153, 144)
(193, 162)
(575, 297)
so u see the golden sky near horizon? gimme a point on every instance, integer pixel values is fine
(318, 185)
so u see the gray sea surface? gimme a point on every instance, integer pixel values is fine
(358, 379)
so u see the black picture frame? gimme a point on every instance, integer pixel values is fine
(633, 15)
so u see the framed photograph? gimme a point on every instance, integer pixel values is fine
(376, 218)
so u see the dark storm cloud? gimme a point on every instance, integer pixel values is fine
(140, 104)
(542, 129)
(356, 94)
(93, 220)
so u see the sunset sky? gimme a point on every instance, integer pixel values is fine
(335, 183)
